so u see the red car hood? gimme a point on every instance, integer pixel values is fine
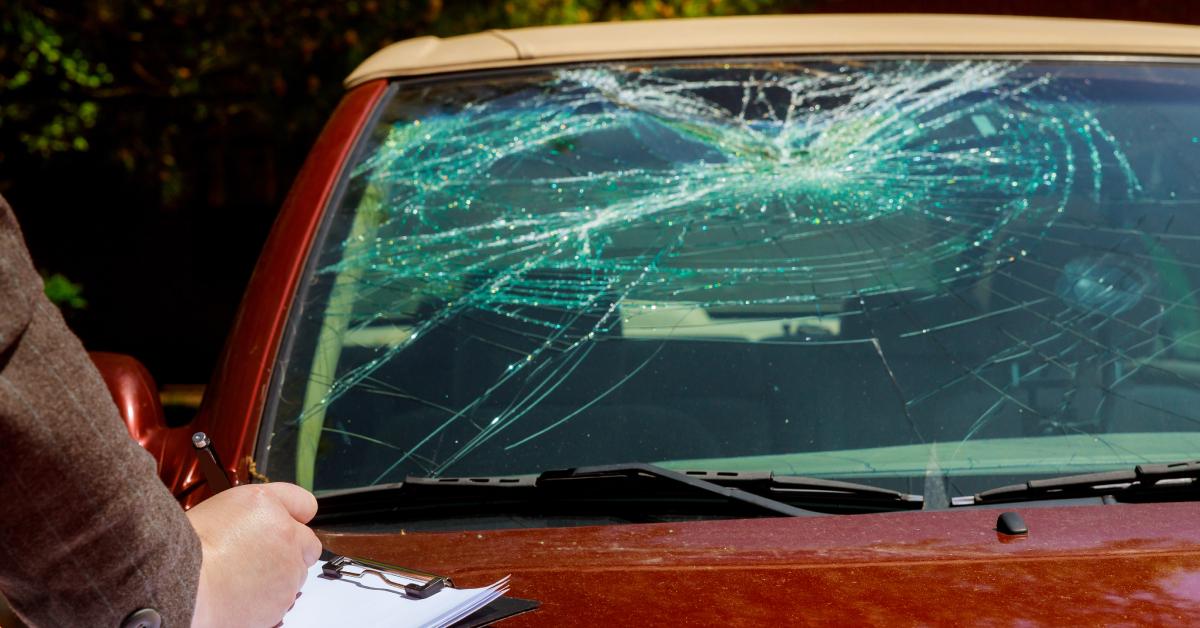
(1085, 565)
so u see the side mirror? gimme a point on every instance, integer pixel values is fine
(136, 396)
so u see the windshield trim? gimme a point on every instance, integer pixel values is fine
(775, 35)
(284, 351)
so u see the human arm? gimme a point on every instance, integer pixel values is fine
(88, 533)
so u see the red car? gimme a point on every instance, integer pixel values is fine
(745, 321)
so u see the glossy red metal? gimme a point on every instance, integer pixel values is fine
(233, 404)
(136, 395)
(134, 391)
(1079, 566)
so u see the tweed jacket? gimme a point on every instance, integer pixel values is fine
(88, 533)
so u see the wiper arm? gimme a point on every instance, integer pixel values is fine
(759, 485)
(628, 471)
(1120, 484)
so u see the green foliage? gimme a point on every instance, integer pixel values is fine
(64, 293)
(46, 86)
(164, 90)
(472, 16)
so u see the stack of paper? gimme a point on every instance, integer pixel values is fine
(325, 602)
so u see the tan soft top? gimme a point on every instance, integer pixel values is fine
(777, 34)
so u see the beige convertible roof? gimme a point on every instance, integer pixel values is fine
(701, 37)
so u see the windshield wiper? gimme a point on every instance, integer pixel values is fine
(626, 472)
(760, 492)
(1125, 485)
(763, 485)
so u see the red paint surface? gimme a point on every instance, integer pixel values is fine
(233, 401)
(136, 395)
(1084, 566)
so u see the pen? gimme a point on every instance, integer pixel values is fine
(210, 465)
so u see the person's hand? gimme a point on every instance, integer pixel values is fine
(257, 552)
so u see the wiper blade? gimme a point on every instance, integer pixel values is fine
(1123, 484)
(625, 472)
(763, 484)
(759, 491)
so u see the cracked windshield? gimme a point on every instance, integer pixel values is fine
(889, 270)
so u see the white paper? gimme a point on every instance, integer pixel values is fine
(368, 602)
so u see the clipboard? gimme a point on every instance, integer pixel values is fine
(426, 585)
(501, 608)
(346, 567)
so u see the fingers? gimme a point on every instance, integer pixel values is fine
(299, 503)
(310, 546)
(302, 506)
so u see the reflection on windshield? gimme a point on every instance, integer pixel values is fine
(754, 259)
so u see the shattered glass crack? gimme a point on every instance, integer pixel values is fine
(717, 261)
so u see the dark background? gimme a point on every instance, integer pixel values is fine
(147, 145)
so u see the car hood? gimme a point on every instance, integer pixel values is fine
(1116, 564)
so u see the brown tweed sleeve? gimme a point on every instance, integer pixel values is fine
(88, 533)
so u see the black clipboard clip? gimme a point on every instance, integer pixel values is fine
(346, 567)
